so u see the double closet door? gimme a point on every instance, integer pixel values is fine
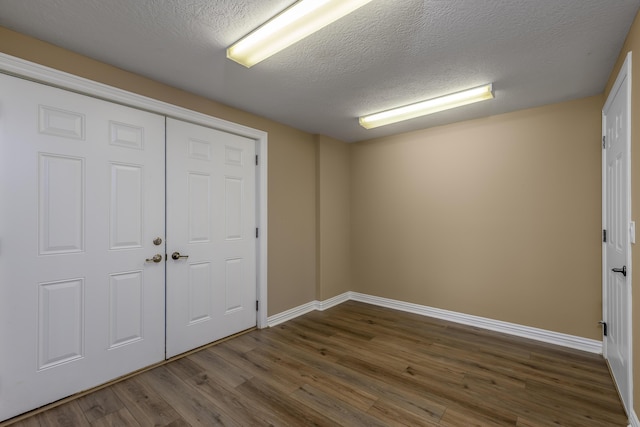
(125, 238)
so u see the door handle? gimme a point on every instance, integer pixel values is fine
(176, 255)
(622, 270)
(156, 258)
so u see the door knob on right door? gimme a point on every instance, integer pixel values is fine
(176, 255)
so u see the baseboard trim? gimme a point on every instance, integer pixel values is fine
(542, 335)
(633, 419)
(306, 308)
(276, 319)
(332, 302)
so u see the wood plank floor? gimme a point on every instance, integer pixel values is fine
(359, 365)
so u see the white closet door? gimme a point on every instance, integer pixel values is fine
(82, 199)
(211, 220)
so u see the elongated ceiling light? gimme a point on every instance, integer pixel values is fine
(295, 23)
(429, 106)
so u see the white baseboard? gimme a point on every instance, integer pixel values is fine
(306, 308)
(276, 319)
(633, 419)
(557, 338)
(332, 302)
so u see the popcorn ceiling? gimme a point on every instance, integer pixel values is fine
(385, 54)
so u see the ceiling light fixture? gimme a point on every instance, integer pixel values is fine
(429, 106)
(295, 23)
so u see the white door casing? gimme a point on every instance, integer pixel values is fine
(82, 191)
(211, 223)
(616, 125)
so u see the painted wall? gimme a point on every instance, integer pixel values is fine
(632, 44)
(498, 217)
(334, 226)
(292, 163)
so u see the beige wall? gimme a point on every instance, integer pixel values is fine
(292, 175)
(632, 44)
(333, 228)
(497, 217)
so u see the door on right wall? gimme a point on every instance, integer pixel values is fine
(211, 235)
(616, 219)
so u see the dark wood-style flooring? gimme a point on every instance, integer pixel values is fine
(359, 365)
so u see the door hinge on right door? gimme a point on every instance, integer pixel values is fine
(604, 142)
(604, 236)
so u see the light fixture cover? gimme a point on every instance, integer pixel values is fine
(429, 106)
(293, 24)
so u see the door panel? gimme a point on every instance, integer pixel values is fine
(82, 194)
(211, 219)
(617, 287)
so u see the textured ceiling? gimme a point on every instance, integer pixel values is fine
(387, 53)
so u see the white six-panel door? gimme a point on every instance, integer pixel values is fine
(82, 199)
(211, 220)
(616, 213)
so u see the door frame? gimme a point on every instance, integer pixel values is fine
(624, 73)
(39, 73)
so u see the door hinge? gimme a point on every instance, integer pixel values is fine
(256, 160)
(604, 236)
(257, 305)
(257, 232)
(604, 141)
(604, 327)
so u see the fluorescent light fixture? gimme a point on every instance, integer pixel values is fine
(295, 23)
(429, 106)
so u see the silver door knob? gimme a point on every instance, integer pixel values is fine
(176, 255)
(155, 258)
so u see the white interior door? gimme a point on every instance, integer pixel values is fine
(211, 220)
(616, 251)
(82, 199)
